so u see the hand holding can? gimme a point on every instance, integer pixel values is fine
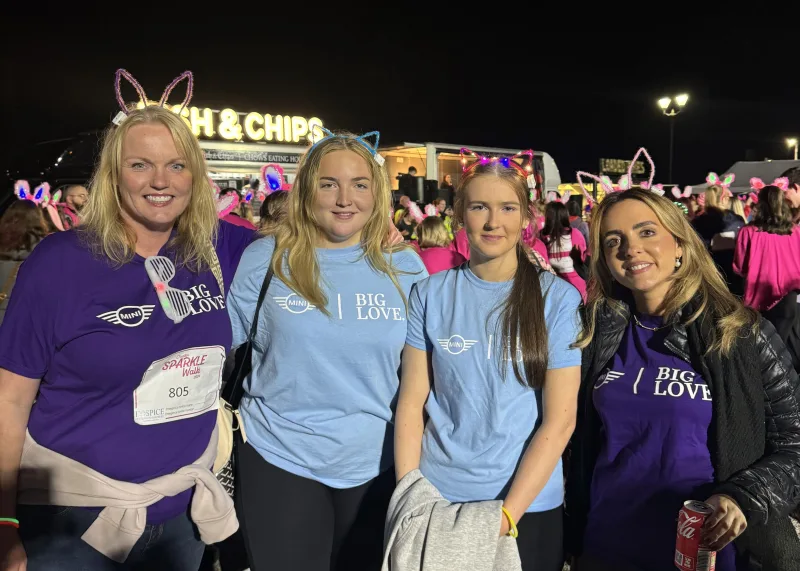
(725, 524)
(691, 553)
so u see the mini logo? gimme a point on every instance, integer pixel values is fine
(607, 378)
(128, 315)
(293, 303)
(456, 344)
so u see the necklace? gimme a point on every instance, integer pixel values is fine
(639, 323)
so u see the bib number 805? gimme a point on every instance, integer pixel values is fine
(178, 392)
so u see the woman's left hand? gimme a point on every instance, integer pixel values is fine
(725, 524)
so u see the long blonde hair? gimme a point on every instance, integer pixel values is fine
(296, 239)
(697, 277)
(102, 224)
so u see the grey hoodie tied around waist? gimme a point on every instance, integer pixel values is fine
(425, 532)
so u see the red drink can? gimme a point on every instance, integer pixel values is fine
(690, 553)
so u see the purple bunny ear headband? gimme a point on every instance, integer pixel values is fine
(625, 181)
(122, 73)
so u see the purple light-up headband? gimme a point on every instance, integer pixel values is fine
(122, 73)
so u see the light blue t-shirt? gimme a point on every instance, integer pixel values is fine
(479, 424)
(319, 402)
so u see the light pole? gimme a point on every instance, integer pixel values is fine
(671, 106)
(792, 143)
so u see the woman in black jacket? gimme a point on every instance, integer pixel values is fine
(685, 394)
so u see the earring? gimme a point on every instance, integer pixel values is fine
(677, 262)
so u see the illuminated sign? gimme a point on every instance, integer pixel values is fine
(619, 166)
(252, 156)
(231, 125)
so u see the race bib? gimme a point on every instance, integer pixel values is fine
(183, 385)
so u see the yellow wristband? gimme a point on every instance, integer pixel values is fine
(513, 532)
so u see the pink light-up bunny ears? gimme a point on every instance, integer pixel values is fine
(725, 183)
(41, 197)
(553, 196)
(272, 179)
(227, 203)
(782, 183)
(676, 192)
(625, 181)
(524, 167)
(122, 73)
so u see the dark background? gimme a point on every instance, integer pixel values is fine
(577, 92)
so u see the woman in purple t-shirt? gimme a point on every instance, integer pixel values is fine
(111, 356)
(685, 394)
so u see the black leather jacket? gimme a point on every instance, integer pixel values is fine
(754, 437)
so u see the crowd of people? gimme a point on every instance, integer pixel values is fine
(501, 383)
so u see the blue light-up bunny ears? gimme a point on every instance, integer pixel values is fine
(124, 74)
(362, 139)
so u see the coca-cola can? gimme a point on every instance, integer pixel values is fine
(690, 552)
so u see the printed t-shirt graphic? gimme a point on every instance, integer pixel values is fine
(656, 410)
(480, 422)
(320, 399)
(92, 343)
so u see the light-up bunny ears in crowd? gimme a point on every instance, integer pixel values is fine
(625, 181)
(676, 192)
(361, 139)
(272, 180)
(713, 180)
(41, 197)
(782, 183)
(471, 159)
(143, 100)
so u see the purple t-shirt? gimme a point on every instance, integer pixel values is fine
(655, 411)
(90, 332)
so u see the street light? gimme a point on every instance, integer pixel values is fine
(670, 107)
(792, 143)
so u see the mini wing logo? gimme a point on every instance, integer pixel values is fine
(128, 315)
(456, 344)
(607, 378)
(293, 303)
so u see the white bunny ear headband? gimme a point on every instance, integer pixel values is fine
(126, 110)
(625, 181)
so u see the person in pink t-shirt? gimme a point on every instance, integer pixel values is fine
(565, 245)
(434, 246)
(768, 252)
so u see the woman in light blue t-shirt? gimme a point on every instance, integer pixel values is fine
(314, 477)
(497, 334)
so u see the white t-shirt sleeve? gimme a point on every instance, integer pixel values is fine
(563, 325)
(415, 335)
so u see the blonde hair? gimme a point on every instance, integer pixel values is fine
(714, 194)
(101, 219)
(697, 277)
(738, 208)
(432, 233)
(296, 239)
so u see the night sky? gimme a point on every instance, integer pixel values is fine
(577, 100)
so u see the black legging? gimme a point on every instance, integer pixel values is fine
(290, 522)
(540, 541)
